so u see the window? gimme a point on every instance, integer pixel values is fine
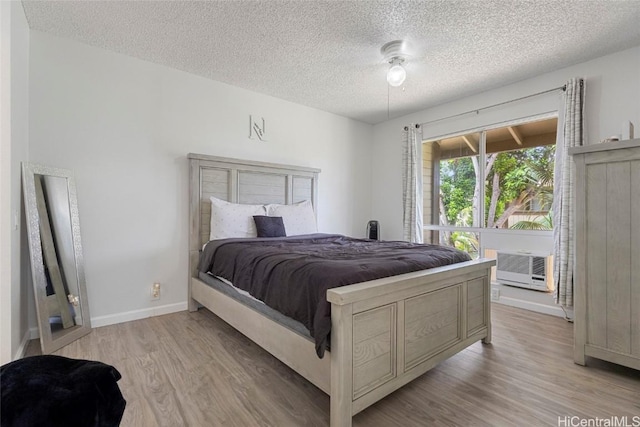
(500, 178)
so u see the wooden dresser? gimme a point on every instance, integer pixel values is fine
(607, 287)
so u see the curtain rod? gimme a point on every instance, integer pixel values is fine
(477, 110)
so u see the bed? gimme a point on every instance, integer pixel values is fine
(384, 332)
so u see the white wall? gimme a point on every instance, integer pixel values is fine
(14, 112)
(125, 126)
(612, 96)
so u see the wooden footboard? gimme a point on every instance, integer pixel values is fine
(387, 332)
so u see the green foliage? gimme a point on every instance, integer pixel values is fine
(541, 223)
(527, 170)
(457, 182)
(467, 242)
(465, 217)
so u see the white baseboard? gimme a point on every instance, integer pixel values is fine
(128, 316)
(533, 306)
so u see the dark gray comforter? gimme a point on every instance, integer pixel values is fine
(292, 274)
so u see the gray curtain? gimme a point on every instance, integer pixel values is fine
(570, 134)
(412, 183)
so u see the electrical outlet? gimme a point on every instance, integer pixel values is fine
(495, 294)
(155, 291)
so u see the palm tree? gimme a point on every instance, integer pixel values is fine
(466, 242)
(539, 177)
(541, 223)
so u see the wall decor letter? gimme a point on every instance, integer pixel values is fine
(257, 128)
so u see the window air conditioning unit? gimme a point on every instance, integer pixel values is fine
(523, 270)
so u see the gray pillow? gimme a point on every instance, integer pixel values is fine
(269, 226)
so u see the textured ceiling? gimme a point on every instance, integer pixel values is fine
(326, 54)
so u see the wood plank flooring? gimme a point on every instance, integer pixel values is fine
(192, 369)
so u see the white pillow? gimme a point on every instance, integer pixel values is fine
(297, 218)
(230, 220)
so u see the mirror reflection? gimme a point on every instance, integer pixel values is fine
(56, 255)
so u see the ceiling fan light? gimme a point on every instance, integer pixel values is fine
(396, 75)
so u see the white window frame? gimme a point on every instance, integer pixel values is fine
(531, 237)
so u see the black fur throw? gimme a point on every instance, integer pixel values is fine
(54, 391)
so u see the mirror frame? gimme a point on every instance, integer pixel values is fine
(48, 343)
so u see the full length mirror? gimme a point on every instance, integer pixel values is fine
(55, 247)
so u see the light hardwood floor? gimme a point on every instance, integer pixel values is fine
(192, 369)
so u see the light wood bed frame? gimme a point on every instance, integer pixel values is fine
(385, 332)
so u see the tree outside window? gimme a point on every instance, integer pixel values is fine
(515, 182)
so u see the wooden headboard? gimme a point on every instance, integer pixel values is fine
(240, 181)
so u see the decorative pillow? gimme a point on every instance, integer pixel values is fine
(233, 219)
(269, 226)
(298, 218)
